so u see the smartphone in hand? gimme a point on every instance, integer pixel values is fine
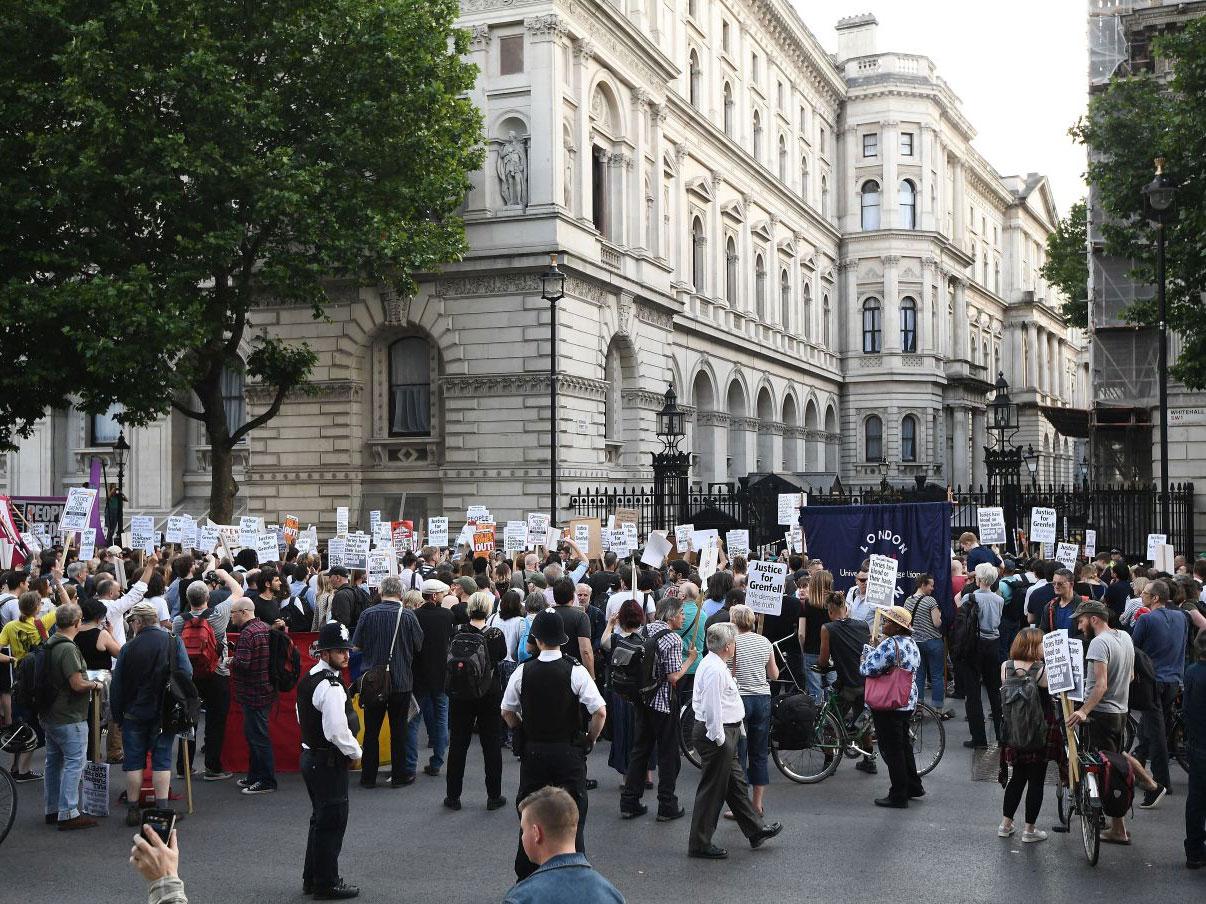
(162, 821)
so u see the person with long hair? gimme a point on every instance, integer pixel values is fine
(323, 595)
(755, 668)
(627, 621)
(814, 614)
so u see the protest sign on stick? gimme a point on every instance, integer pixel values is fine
(991, 522)
(1042, 525)
(737, 543)
(1065, 554)
(657, 547)
(1090, 543)
(78, 509)
(437, 532)
(881, 581)
(764, 585)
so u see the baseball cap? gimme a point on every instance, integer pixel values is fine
(337, 571)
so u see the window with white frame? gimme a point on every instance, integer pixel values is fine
(871, 145)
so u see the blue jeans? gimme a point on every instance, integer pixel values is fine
(933, 664)
(812, 680)
(66, 749)
(139, 738)
(261, 767)
(754, 746)
(433, 713)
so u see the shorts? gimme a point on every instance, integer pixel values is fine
(1106, 730)
(138, 738)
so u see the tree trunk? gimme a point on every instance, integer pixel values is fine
(222, 485)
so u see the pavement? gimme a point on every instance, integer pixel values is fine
(402, 845)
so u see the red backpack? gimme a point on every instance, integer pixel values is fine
(201, 645)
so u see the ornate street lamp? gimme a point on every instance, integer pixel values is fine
(1160, 194)
(552, 290)
(120, 448)
(1004, 412)
(1032, 464)
(671, 465)
(671, 422)
(1003, 462)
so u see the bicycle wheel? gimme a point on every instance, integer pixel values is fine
(815, 763)
(1090, 822)
(686, 731)
(8, 803)
(1063, 804)
(1130, 732)
(929, 738)
(1176, 743)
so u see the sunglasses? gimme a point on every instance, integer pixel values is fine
(861, 580)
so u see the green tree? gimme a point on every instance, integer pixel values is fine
(1067, 264)
(1135, 120)
(169, 166)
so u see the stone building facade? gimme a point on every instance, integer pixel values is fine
(806, 244)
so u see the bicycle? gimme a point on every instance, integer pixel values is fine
(8, 802)
(1078, 795)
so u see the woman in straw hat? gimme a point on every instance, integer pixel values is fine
(896, 649)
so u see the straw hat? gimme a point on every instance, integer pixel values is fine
(900, 616)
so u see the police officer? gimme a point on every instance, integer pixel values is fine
(328, 736)
(542, 704)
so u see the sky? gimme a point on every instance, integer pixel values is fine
(1018, 67)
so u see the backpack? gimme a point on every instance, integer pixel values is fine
(1116, 784)
(793, 721)
(181, 701)
(363, 601)
(1025, 725)
(469, 673)
(965, 631)
(284, 662)
(521, 650)
(634, 665)
(32, 690)
(1142, 696)
(201, 644)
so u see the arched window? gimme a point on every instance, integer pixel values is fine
(908, 438)
(233, 401)
(784, 299)
(760, 287)
(694, 73)
(870, 204)
(409, 387)
(730, 271)
(826, 317)
(728, 109)
(782, 159)
(806, 326)
(757, 137)
(824, 196)
(908, 324)
(804, 178)
(908, 205)
(873, 435)
(871, 326)
(104, 427)
(699, 246)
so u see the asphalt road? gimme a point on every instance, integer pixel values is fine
(402, 845)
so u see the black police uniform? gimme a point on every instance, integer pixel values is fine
(554, 744)
(325, 770)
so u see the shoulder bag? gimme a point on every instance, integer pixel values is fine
(891, 689)
(375, 684)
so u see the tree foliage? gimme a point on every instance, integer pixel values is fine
(1067, 264)
(170, 165)
(1137, 119)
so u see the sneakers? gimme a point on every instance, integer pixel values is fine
(633, 812)
(452, 803)
(245, 783)
(671, 815)
(1004, 831)
(218, 777)
(431, 770)
(77, 822)
(867, 766)
(496, 803)
(259, 788)
(30, 776)
(339, 892)
(1036, 835)
(1151, 799)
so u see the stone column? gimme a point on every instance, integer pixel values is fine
(479, 54)
(636, 179)
(773, 307)
(979, 441)
(925, 156)
(1040, 358)
(959, 339)
(657, 119)
(1030, 341)
(959, 207)
(961, 472)
(798, 281)
(746, 264)
(716, 252)
(889, 151)
(678, 227)
(1014, 370)
(1053, 365)
(849, 317)
(544, 142)
(583, 52)
(891, 309)
(929, 318)
(843, 193)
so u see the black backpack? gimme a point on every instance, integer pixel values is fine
(1022, 717)
(32, 690)
(284, 662)
(634, 664)
(181, 701)
(469, 673)
(1142, 696)
(793, 721)
(964, 639)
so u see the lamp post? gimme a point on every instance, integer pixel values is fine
(1032, 464)
(552, 290)
(1003, 460)
(1160, 194)
(670, 465)
(120, 448)
(884, 468)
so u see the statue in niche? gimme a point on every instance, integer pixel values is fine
(513, 171)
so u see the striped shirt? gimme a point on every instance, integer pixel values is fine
(375, 633)
(921, 608)
(753, 651)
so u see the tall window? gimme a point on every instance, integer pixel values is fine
(724, 36)
(804, 178)
(757, 136)
(755, 70)
(908, 438)
(598, 190)
(906, 144)
(694, 74)
(782, 159)
(779, 94)
(825, 319)
(730, 271)
(760, 287)
(698, 249)
(870, 204)
(233, 401)
(104, 427)
(728, 109)
(871, 145)
(824, 196)
(908, 205)
(806, 326)
(908, 324)
(784, 299)
(409, 387)
(821, 140)
(872, 334)
(693, 8)
(873, 436)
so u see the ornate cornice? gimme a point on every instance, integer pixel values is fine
(655, 316)
(476, 385)
(711, 419)
(545, 28)
(584, 50)
(487, 284)
(479, 37)
(325, 390)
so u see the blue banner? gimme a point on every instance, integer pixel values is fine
(916, 534)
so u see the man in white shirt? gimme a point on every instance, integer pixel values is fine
(719, 713)
(118, 604)
(856, 599)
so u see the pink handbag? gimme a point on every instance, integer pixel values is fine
(890, 690)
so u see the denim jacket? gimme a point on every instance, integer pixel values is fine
(564, 879)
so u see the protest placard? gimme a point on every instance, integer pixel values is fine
(290, 529)
(477, 513)
(1058, 660)
(709, 559)
(402, 536)
(701, 538)
(188, 534)
(77, 511)
(1065, 554)
(335, 550)
(657, 547)
(991, 521)
(552, 536)
(94, 798)
(483, 543)
(383, 534)
(1048, 551)
(1042, 525)
(1076, 658)
(356, 550)
(515, 537)
(1165, 558)
(789, 508)
(437, 532)
(142, 533)
(374, 520)
(881, 580)
(87, 543)
(378, 567)
(682, 537)
(631, 539)
(619, 543)
(207, 538)
(627, 516)
(1154, 542)
(174, 530)
(588, 534)
(764, 583)
(1090, 543)
(538, 526)
(341, 520)
(266, 549)
(249, 530)
(794, 538)
(737, 542)
(229, 535)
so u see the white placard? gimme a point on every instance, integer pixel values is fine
(1077, 657)
(794, 539)
(378, 567)
(582, 537)
(1048, 551)
(477, 513)
(188, 534)
(335, 550)
(1065, 554)
(881, 580)
(789, 508)
(266, 549)
(538, 525)
(515, 537)
(657, 547)
(1154, 542)
(991, 521)
(1057, 658)
(1166, 558)
(682, 537)
(701, 538)
(32, 543)
(87, 543)
(383, 534)
(77, 509)
(709, 560)
(552, 536)
(1042, 525)
(437, 532)
(175, 528)
(764, 583)
(341, 520)
(142, 533)
(618, 544)
(94, 798)
(356, 550)
(465, 537)
(374, 520)
(207, 538)
(631, 539)
(1090, 543)
(737, 542)
(249, 531)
